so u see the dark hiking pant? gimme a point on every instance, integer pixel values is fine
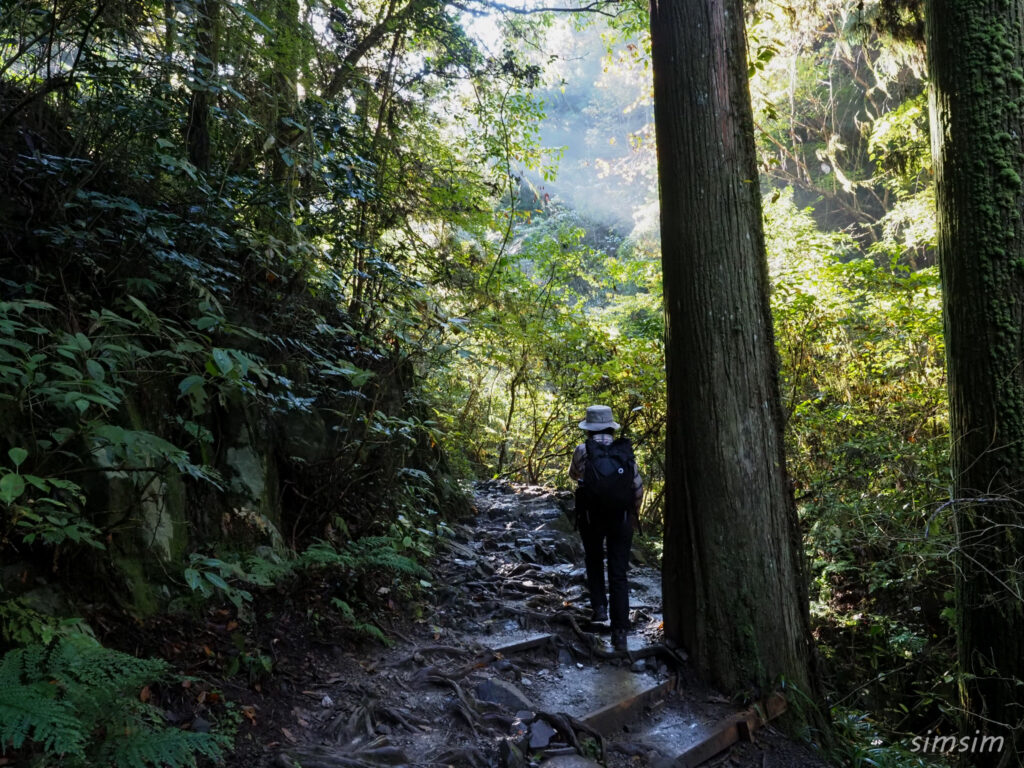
(615, 533)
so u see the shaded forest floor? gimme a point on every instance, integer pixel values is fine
(503, 669)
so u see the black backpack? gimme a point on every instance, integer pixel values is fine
(607, 484)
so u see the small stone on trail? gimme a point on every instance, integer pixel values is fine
(564, 657)
(326, 702)
(639, 665)
(557, 749)
(570, 761)
(525, 716)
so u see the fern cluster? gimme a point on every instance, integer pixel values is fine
(354, 563)
(365, 555)
(79, 703)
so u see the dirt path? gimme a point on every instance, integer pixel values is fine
(507, 671)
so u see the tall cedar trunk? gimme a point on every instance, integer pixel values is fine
(975, 54)
(204, 70)
(285, 51)
(733, 565)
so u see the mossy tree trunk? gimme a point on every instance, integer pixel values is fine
(975, 55)
(734, 589)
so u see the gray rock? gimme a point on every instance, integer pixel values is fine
(529, 554)
(565, 550)
(503, 694)
(541, 734)
(545, 554)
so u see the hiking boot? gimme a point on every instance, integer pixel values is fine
(599, 614)
(619, 640)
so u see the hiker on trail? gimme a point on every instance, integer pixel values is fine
(608, 498)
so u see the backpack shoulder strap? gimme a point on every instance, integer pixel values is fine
(623, 446)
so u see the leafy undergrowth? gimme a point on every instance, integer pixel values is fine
(216, 671)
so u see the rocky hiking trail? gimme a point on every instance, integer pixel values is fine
(509, 672)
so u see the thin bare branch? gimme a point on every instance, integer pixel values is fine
(488, 6)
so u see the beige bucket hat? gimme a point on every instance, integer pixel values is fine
(598, 417)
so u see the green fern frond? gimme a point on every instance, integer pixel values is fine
(79, 702)
(267, 570)
(378, 552)
(31, 712)
(323, 554)
(80, 660)
(360, 627)
(133, 746)
(370, 553)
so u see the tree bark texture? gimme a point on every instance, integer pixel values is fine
(977, 96)
(734, 589)
(204, 72)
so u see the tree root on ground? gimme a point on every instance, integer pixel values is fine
(568, 726)
(364, 718)
(466, 706)
(416, 656)
(370, 755)
(467, 756)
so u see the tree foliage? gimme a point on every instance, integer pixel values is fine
(222, 227)
(273, 274)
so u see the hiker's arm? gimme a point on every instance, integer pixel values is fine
(576, 465)
(638, 495)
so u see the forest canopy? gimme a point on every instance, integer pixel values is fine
(277, 279)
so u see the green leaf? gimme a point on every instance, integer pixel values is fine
(96, 370)
(147, 313)
(11, 487)
(254, 18)
(190, 384)
(38, 482)
(217, 581)
(83, 342)
(223, 360)
(194, 579)
(18, 456)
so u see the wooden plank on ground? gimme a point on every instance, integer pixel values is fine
(732, 729)
(524, 645)
(721, 738)
(609, 719)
